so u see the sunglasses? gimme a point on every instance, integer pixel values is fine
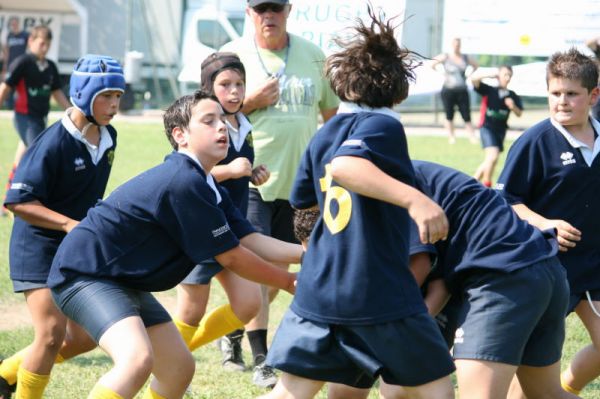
(263, 8)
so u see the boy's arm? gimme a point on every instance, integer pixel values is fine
(363, 177)
(246, 264)
(512, 105)
(37, 214)
(437, 296)
(272, 249)
(4, 91)
(235, 169)
(477, 77)
(60, 98)
(420, 266)
(566, 235)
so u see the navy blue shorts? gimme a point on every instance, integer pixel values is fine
(515, 318)
(98, 304)
(574, 299)
(203, 273)
(407, 352)
(22, 285)
(271, 218)
(447, 319)
(28, 127)
(492, 137)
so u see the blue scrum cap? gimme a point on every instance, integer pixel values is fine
(92, 75)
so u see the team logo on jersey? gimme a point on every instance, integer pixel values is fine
(221, 230)
(249, 141)
(459, 336)
(79, 164)
(110, 156)
(567, 158)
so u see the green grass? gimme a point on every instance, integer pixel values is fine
(140, 147)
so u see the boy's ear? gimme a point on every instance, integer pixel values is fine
(595, 95)
(180, 136)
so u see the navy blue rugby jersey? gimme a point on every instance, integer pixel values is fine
(356, 268)
(239, 188)
(485, 233)
(496, 114)
(547, 174)
(58, 171)
(150, 232)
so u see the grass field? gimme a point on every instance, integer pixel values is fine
(142, 145)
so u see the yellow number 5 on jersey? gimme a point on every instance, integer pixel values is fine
(342, 197)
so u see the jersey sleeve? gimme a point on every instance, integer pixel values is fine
(521, 172)
(303, 195)
(15, 72)
(380, 140)
(517, 99)
(415, 244)
(189, 213)
(37, 173)
(240, 226)
(483, 89)
(55, 78)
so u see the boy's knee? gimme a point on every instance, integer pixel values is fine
(247, 309)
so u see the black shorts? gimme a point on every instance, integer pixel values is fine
(515, 318)
(203, 273)
(452, 98)
(407, 352)
(271, 218)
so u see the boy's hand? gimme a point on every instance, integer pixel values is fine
(291, 288)
(430, 219)
(510, 103)
(260, 175)
(240, 167)
(566, 235)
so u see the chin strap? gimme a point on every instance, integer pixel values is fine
(86, 128)
(91, 119)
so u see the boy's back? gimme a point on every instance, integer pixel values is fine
(355, 270)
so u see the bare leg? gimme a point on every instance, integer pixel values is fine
(389, 391)
(244, 295)
(515, 391)
(439, 389)
(341, 391)
(191, 302)
(585, 366)
(542, 382)
(449, 126)
(173, 363)
(19, 152)
(478, 379)
(293, 387)
(485, 171)
(471, 132)
(77, 341)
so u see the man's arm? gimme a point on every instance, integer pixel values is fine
(265, 95)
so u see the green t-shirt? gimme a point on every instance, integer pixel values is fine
(282, 131)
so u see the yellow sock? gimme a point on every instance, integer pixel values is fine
(217, 323)
(10, 366)
(187, 331)
(150, 394)
(101, 392)
(30, 385)
(568, 388)
(59, 359)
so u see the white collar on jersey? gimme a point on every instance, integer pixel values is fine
(96, 152)
(352, 108)
(209, 178)
(589, 154)
(244, 128)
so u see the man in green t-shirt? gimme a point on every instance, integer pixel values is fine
(286, 92)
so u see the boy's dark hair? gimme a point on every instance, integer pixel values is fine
(180, 112)
(371, 69)
(41, 30)
(304, 222)
(573, 65)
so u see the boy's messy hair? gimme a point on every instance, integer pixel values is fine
(371, 69)
(179, 113)
(304, 222)
(573, 65)
(40, 31)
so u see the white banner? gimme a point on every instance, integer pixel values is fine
(320, 20)
(520, 27)
(28, 20)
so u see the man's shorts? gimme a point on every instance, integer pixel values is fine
(492, 137)
(575, 298)
(98, 304)
(516, 318)
(271, 218)
(203, 273)
(407, 352)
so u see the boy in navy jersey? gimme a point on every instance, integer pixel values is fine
(552, 178)
(63, 174)
(500, 101)
(224, 76)
(357, 304)
(147, 236)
